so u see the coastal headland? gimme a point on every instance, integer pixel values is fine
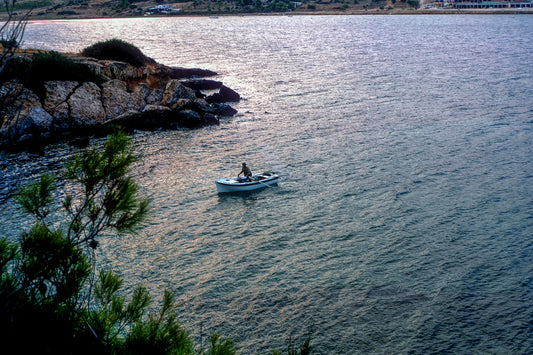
(48, 96)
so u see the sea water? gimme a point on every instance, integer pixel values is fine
(404, 221)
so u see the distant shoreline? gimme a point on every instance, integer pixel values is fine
(348, 12)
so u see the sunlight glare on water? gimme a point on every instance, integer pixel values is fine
(404, 223)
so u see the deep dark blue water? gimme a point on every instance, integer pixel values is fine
(405, 224)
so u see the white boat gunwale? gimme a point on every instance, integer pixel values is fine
(235, 184)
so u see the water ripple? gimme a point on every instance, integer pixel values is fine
(405, 222)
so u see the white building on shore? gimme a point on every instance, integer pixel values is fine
(492, 4)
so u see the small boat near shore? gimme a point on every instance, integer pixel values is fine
(237, 184)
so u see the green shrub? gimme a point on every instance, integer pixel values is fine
(56, 66)
(30, 5)
(53, 65)
(66, 12)
(116, 49)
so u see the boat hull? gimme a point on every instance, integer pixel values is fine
(258, 181)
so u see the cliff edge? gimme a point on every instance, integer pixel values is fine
(39, 102)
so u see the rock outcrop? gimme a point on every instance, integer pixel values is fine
(150, 97)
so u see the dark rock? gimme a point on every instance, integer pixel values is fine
(225, 94)
(23, 117)
(224, 110)
(215, 98)
(229, 94)
(190, 119)
(151, 118)
(185, 73)
(210, 119)
(155, 97)
(203, 84)
(182, 104)
(80, 142)
(202, 105)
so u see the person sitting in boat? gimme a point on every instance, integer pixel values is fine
(246, 171)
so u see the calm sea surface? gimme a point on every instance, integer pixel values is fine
(405, 221)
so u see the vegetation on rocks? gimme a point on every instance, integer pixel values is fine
(47, 95)
(116, 49)
(50, 65)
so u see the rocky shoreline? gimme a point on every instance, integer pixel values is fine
(149, 97)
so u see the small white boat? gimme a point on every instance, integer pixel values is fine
(236, 184)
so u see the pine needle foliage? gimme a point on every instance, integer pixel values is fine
(114, 316)
(105, 197)
(35, 197)
(220, 346)
(51, 301)
(48, 302)
(160, 334)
